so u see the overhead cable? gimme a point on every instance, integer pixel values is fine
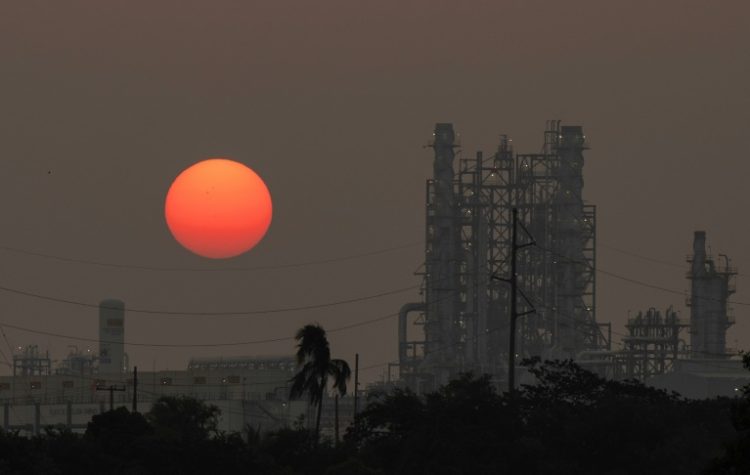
(203, 269)
(193, 345)
(631, 280)
(213, 313)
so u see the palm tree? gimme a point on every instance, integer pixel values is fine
(314, 357)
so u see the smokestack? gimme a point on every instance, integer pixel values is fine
(699, 252)
(111, 336)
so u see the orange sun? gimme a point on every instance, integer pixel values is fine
(218, 208)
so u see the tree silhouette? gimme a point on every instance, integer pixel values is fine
(570, 421)
(183, 418)
(314, 357)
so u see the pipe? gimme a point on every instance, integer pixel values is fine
(406, 309)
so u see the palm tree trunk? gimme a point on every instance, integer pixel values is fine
(317, 421)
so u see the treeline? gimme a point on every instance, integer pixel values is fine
(570, 422)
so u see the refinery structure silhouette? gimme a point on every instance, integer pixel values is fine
(510, 272)
(492, 283)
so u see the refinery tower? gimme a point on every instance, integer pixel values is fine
(462, 322)
(112, 358)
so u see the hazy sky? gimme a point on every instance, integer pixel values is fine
(102, 104)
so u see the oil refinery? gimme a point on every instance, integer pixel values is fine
(510, 272)
(510, 243)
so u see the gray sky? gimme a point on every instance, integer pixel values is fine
(103, 103)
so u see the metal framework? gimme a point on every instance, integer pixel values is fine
(559, 273)
(463, 322)
(485, 190)
(29, 362)
(711, 286)
(652, 346)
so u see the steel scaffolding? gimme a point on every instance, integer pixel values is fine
(559, 273)
(652, 346)
(464, 318)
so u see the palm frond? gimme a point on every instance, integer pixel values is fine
(312, 343)
(340, 372)
(307, 381)
(316, 366)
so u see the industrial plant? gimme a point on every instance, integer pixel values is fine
(250, 391)
(510, 273)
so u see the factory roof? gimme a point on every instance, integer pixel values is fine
(246, 362)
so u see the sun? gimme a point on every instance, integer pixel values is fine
(218, 208)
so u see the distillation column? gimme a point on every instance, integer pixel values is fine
(568, 242)
(441, 262)
(710, 290)
(464, 314)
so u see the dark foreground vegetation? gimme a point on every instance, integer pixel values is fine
(571, 422)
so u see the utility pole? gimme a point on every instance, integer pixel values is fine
(356, 383)
(514, 291)
(135, 388)
(336, 416)
(111, 388)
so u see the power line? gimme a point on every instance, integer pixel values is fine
(567, 317)
(645, 284)
(198, 345)
(631, 280)
(640, 256)
(195, 345)
(216, 313)
(297, 265)
(5, 337)
(435, 350)
(663, 289)
(634, 254)
(650, 259)
(200, 269)
(572, 319)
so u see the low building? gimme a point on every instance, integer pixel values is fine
(250, 391)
